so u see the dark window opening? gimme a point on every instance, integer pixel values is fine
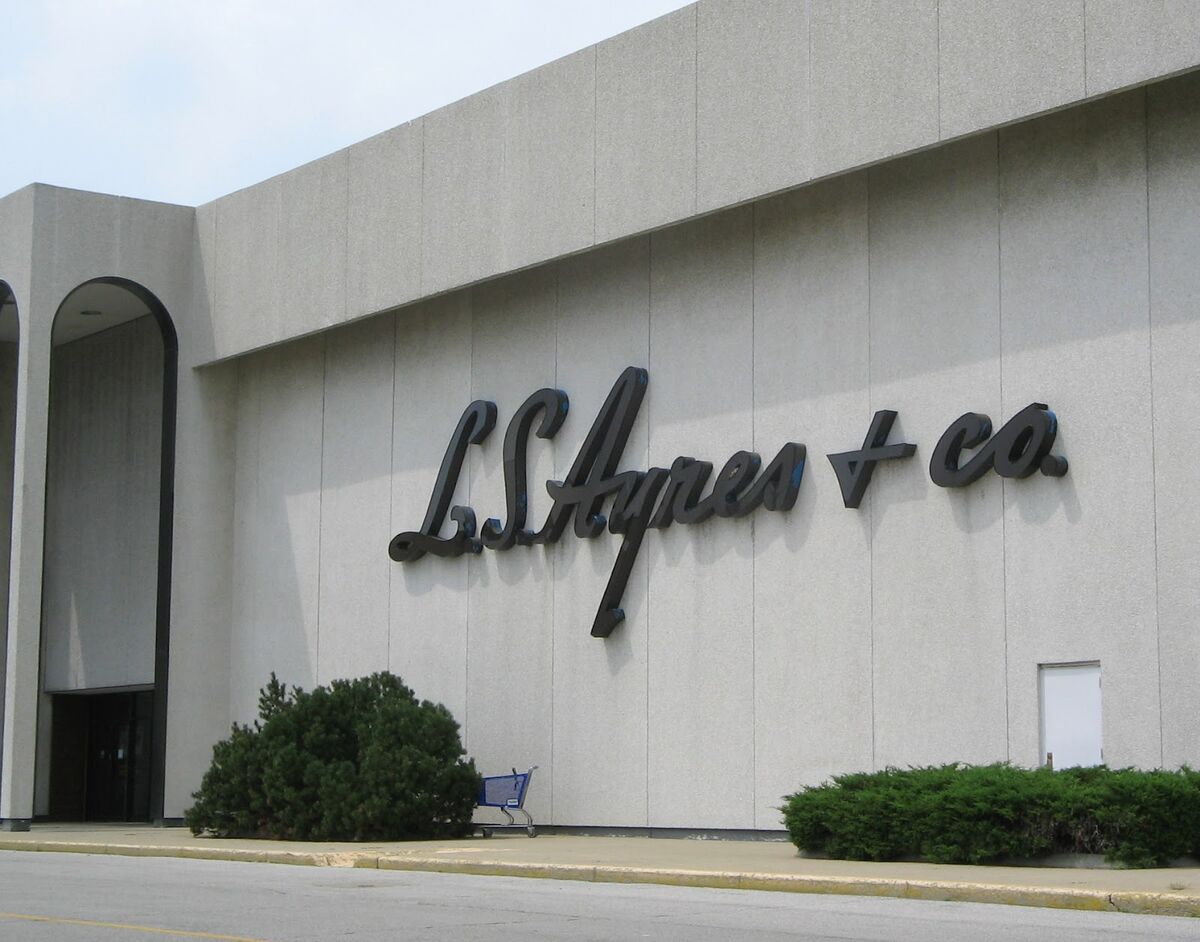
(100, 756)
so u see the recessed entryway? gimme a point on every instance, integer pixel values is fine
(100, 759)
(107, 560)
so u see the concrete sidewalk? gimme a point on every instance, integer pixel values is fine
(728, 864)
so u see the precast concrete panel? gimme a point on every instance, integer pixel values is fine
(548, 184)
(16, 225)
(874, 74)
(1135, 42)
(936, 554)
(202, 552)
(152, 237)
(16, 242)
(429, 601)
(509, 648)
(999, 60)
(247, 268)
(82, 232)
(88, 235)
(1174, 145)
(462, 169)
(701, 605)
(1079, 551)
(198, 707)
(19, 230)
(101, 580)
(600, 686)
(714, 104)
(812, 576)
(752, 123)
(310, 275)
(646, 126)
(195, 328)
(278, 523)
(383, 229)
(356, 472)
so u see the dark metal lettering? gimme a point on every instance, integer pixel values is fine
(854, 468)
(630, 517)
(1021, 447)
(779, 484)
(476, 423)
(660, 497)
(681, 500)
(590, 479)
(731, 481)
(552, 404)
(657, 497)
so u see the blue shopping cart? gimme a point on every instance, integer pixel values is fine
(507, 792)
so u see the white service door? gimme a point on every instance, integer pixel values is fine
(1071, 728)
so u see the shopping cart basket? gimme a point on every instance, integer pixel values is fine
(507, 792)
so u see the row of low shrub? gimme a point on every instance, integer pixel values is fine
(982, 814)
(357, 760)
(365, 760)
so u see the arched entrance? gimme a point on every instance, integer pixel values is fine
(9, 349)
(106, 580)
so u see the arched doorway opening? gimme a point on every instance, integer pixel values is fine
(10, 337)
(107, 574)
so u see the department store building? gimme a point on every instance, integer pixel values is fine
(775, 390)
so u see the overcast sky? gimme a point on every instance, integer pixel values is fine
(184, 101)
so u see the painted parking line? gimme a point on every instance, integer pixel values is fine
(130, 927)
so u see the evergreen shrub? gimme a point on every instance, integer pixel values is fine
(981, 814)
(357, 760)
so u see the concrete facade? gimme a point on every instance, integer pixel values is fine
(929, 208)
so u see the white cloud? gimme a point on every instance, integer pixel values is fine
(184, 101)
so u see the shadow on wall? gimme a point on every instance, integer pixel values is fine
(102, 509)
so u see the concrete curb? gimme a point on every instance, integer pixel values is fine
(1124, 901)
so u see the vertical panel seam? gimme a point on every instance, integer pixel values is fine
(1083, 5)
(392, 483)
(695, 108)
(552, 552)
(938, 62)
(470, 299)
(321, 499)
(595, 134)
(216, 272)
(649, 433)
(753, 542)
(808, 111)
(1003, 488)
(346, 246)
(421, 217)
(1153, 437)
(870, 499)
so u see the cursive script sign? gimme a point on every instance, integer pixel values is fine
(641, 500)
(659, 497)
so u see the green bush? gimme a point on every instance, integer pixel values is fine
(980, 814)
(357, 760)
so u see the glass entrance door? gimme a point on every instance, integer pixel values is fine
(100, 766)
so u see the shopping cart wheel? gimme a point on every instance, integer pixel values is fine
(531, 831)
(485, 832)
